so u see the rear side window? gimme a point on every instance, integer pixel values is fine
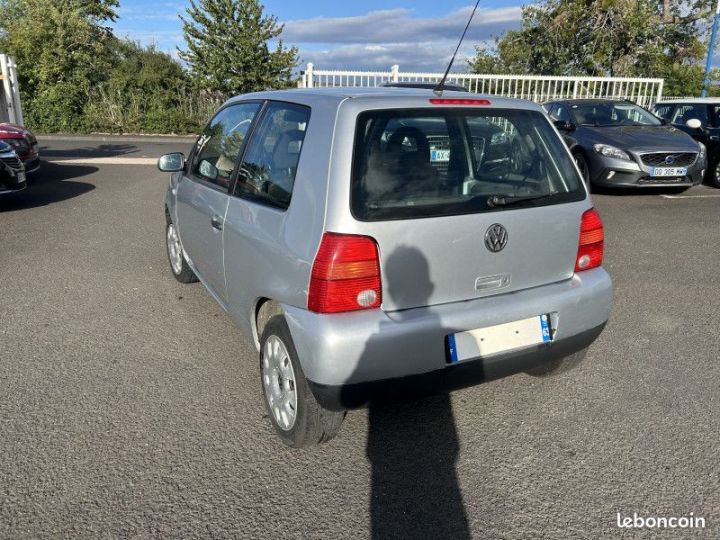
(440, 162)
(267, 172)
(663, 111)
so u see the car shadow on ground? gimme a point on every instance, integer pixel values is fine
(52, 183)
(99, 151)
(413, 446)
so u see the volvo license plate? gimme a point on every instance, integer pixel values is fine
(669, 171)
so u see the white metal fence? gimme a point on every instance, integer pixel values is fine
(10, 106)
(538, 88)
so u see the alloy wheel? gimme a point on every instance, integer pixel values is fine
(278, 377)
(174, 247)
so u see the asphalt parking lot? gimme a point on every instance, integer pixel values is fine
(130, 406)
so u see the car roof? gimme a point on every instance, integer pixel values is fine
(695, 101)
(379, 96)
(588, 101)
(424, 85)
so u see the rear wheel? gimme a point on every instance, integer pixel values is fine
(178, 265)
(558, 366)
(583, 166)
(294, 412)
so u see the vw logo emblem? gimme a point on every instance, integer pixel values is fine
(496, 238)
(669, 160)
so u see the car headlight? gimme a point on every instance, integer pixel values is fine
(703, 151)
(611, 151)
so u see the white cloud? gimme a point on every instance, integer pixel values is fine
(423, 57)
(379, 39)
(398, 26)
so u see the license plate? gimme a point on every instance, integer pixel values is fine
(669, 171)
(439, 155)
(20, 177)
(483, 342)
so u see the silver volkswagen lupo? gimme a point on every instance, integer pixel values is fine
(381, 242)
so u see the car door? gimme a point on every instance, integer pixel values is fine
(684, 112)
(259, 242)
(202, 194)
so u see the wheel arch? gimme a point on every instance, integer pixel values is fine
(264, 310)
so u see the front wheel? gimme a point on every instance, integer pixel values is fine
(584, 168)
(179, 266)
(714, 174)
(294, 412)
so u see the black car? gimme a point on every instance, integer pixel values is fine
(700, 118)
(12, 171)
(616, 143)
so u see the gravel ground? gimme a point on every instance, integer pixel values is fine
(130, 405)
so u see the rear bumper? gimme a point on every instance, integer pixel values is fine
(454, 377)
(347, 350)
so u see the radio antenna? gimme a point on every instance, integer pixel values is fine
(441, 85)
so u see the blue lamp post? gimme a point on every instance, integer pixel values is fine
(711, 49)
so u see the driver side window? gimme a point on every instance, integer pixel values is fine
(560, 113)
(219, 146)
(690, 112)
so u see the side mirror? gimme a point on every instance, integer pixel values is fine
(174, 162)
(563, 125)
(694, 123)
(208, 170)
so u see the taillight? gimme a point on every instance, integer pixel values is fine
(345, 274)
(590, 249)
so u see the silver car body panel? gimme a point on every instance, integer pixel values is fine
(268, 253)
(369, 345)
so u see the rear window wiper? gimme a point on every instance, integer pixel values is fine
(508, 200)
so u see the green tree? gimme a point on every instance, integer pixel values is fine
(660, 38)
(228, 50)
(146, 91)
(62, 48)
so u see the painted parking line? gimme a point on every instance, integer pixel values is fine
(715, 196)
(106, 161)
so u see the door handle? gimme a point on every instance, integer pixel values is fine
(217, 222)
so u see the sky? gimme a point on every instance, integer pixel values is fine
(418, 35)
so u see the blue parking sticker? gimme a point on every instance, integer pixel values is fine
(545, 325)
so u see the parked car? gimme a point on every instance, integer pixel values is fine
(616, 143)
(373, 242)
(12, 171)
(24, 143)
(700, 118)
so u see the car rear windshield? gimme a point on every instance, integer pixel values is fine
(441, 162)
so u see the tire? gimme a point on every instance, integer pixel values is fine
(282, 380)
(178, 265)
(714, 174)
(558, 366)
(584, 167)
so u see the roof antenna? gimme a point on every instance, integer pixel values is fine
(441, 85)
